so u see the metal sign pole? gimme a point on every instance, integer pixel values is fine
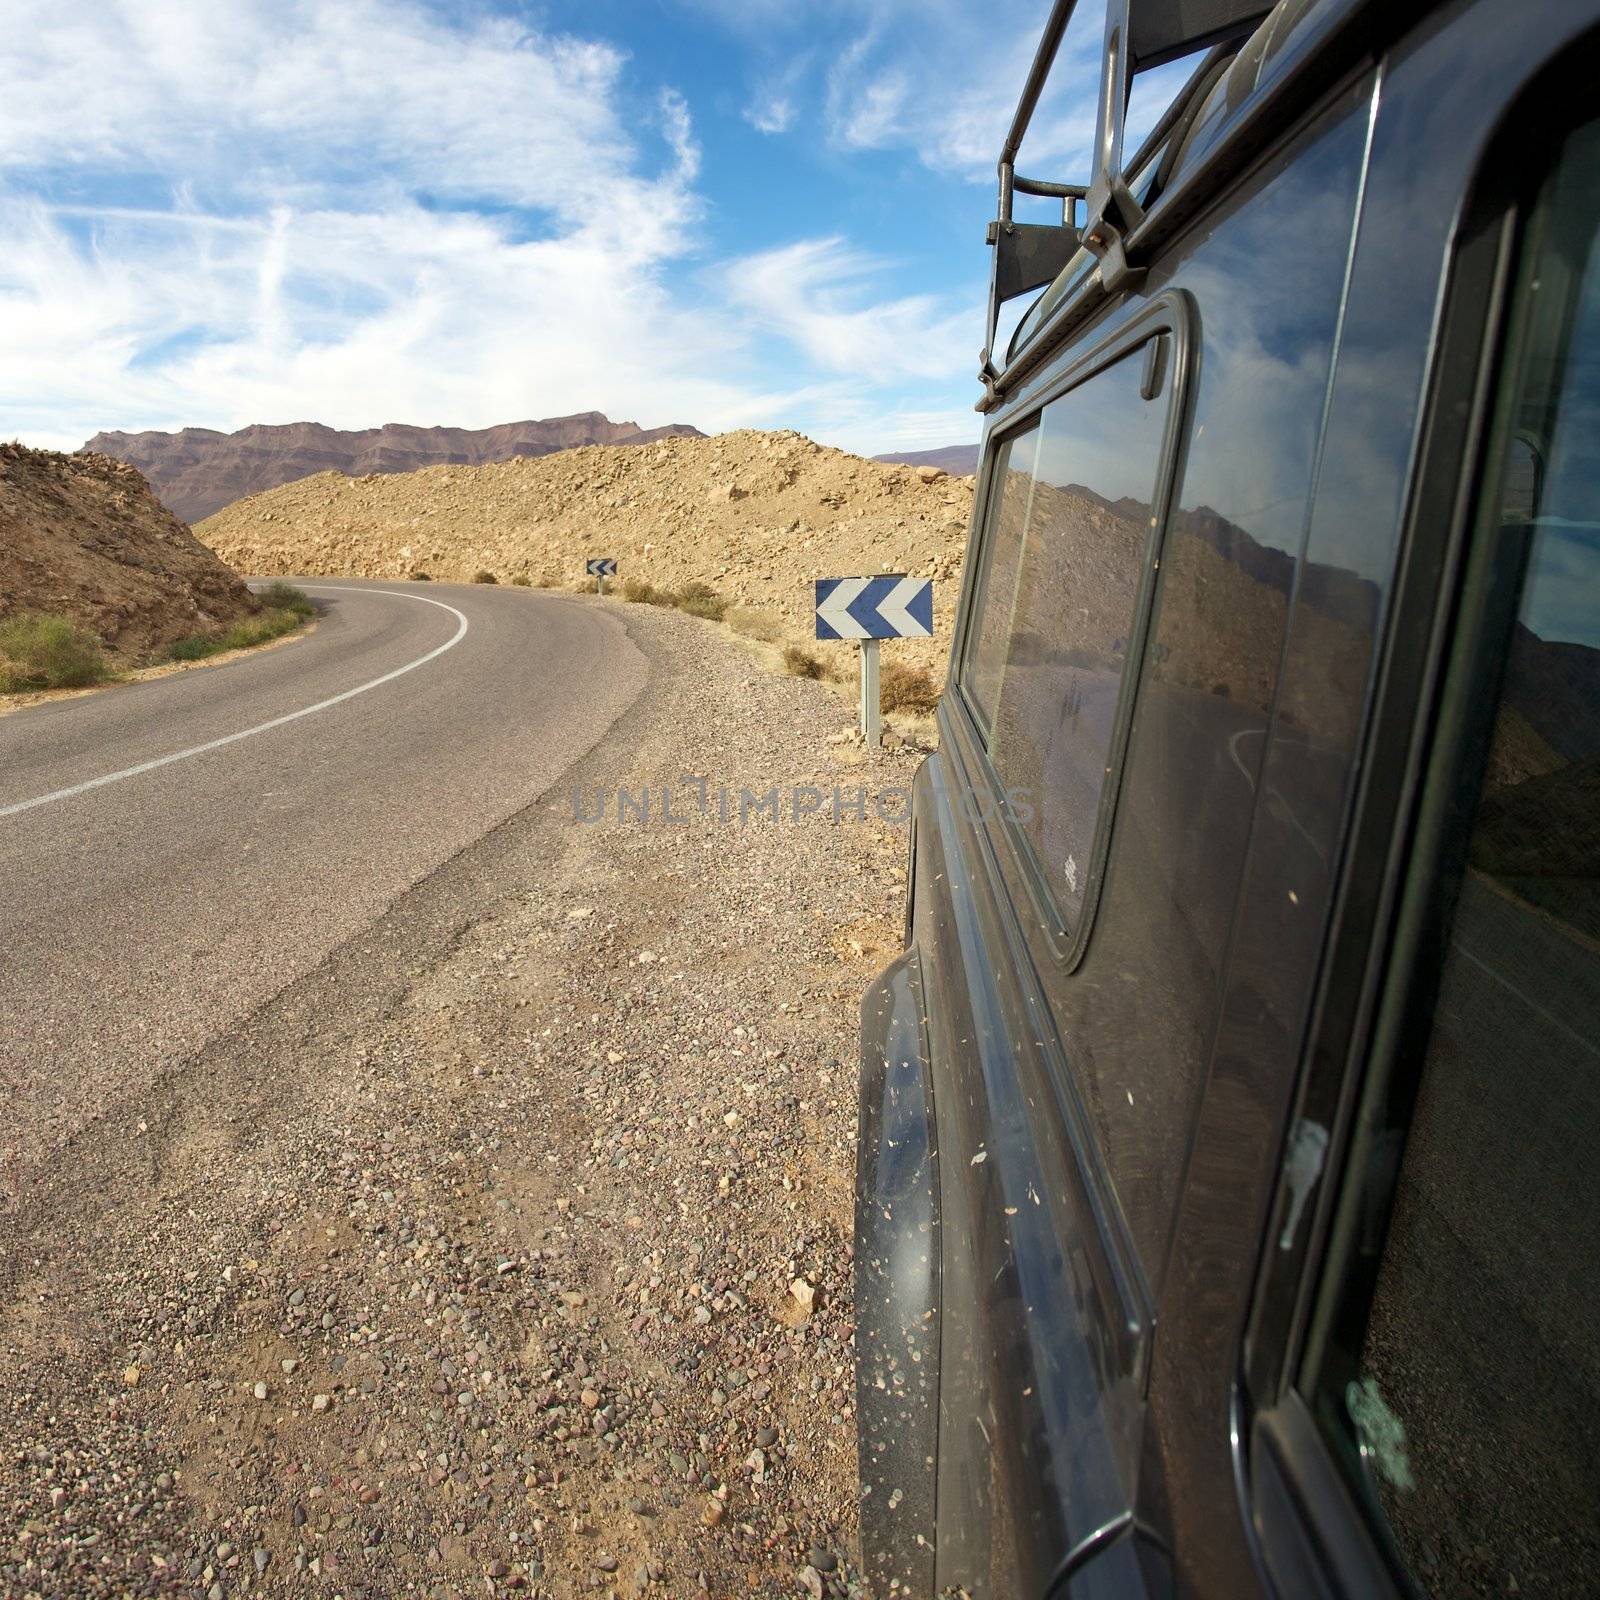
(870, 723)
(600, 583)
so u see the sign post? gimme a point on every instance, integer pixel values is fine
(871, 710)
(891, 606)
(600, 568)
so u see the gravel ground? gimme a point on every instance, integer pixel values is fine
(509, 1249)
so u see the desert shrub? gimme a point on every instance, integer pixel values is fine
(484, 576)
(903, 688)
(802, 663)
(701, 600)
(194, 647)
(755, 624)
(285, 597)
(522, 580)
(39, 650)
(638, 591)
(417, 575)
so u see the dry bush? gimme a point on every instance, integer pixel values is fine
(802, 663)
(417, 575)
(522, 580)
(701, 600)
(638, 591)
(753, 624)
(484, 576)
(910, 689)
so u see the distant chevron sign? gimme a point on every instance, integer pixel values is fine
(891, 606)
(601, 566)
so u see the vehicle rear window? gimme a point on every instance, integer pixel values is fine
(1462, 1374)
(1062, 592)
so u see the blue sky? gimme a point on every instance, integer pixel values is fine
(358, 211)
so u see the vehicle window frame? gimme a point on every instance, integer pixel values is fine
(1447, 644)
(1172, 314)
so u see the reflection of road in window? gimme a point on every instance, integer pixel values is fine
(1479, 1371)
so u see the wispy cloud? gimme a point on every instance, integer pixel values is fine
(773, 113)
(817, 293)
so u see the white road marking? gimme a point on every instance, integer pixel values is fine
(276, 722)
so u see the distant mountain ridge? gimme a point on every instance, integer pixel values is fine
(198, 471)
(959, 460)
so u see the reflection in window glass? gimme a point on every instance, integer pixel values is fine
(1064, 570)
(1474, 1388)
(1013, 492)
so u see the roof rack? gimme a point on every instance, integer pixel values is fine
(1139, 34)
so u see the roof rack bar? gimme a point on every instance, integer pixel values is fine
(1043, 59)
(1138, 33)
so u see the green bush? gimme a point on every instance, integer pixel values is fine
(285, 597)
(39, 650)
(485, 576)
(801, 663)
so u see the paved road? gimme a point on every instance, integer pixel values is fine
(151, 897)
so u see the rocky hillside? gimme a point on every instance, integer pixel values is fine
(756, 515)
(198, 470)
(82, 536)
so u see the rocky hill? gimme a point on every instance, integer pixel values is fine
(198, 471)
(82, 536)
(756, 515)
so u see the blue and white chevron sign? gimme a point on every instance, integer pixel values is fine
(891, 606)
(601, 566)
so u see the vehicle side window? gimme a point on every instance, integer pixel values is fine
(1059, 607)
(1456, 1359)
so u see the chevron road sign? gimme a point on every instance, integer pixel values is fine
(601, 566)
(891, 606)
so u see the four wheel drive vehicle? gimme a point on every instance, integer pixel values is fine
(1226, 1221)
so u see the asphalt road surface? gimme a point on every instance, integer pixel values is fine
(175, 852)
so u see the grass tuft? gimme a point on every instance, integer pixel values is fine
(285, 597)
(417, 575)
(270, 624)
(701, 600)
(40, 650)
(755, 624)
(911, 689)
(802, 663)
(522, 580)
(484, 576)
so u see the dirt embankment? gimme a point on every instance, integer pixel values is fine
(82, 536)
(756, 515)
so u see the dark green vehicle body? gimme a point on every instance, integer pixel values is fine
(1230, 1124)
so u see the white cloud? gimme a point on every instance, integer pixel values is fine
(354, 211)
(774, 113)
(815, 294)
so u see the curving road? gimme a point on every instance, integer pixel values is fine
(172, 853)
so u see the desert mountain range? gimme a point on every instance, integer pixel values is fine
(959, 460)
(198, 471)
